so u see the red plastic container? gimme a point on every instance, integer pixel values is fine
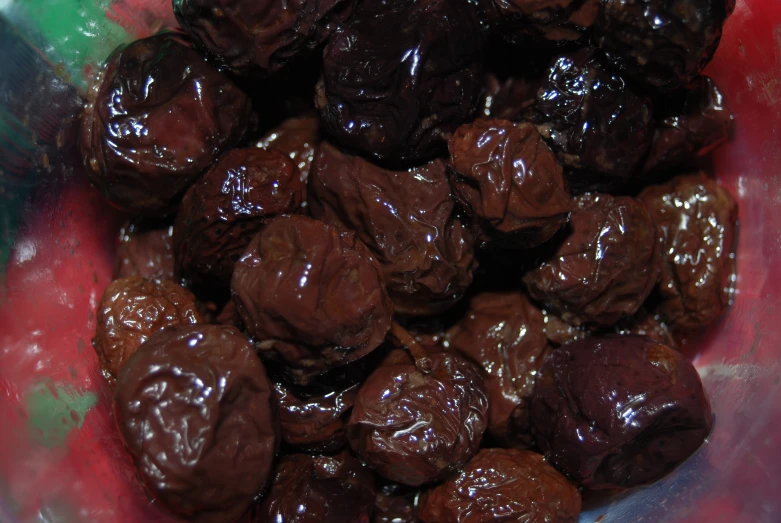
(61, 458)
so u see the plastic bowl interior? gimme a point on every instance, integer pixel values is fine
(60, 456)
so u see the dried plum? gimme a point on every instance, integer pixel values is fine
(193, 407)
(312, 295)
(131, 310)
(400, 76)
(407, 220)
(596, 123)
(698, 220)
(148, 253)
(158, 116)
(506, 175)
(618, 411)
(503, 485)
(298, 138)
(607, 265)
(418, 420)
(663, 43)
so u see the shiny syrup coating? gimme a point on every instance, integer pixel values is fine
(314, 422)
(158, 117)
(606, 266)
(406, 218)
(592, 118)
(221, 213)
(504, 334)
(312, 295)
(296, 137)
(400, 76)
(395, 503)
(503, 485)
(693, 123)
(319, 489)
(193, 406)
(618, 411)
(662, 43)
(148, 253)
(506, 175)
(698, 220)
(131, 310)
(418, 422)
(260, 37)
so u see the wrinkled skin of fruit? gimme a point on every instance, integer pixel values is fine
(595, 123)
(698, 220)
(312, 295)
(504, 334)
(400, 77)
(314, 422)
(193, 406)
(221, 213)
(694, 122)
(618, 411)
(506, 175)
(319, 489)
(440, 400)
(645, 324)
(131, 310)
(662, 43)
(606, 266)
(503, 485)
(158, 116)
(146, 252)
(406, 218)
(260, 37)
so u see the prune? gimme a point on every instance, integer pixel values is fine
(221, 213)
(148, 253)
(593, 120)
(503, 485)
(663, 43)
(510, 180)
(645, 324)
(157, 118)
(312, 295)
(131, 310)
(407, 220)
(314, 422)
(419, 420)
(319, 489)
(260, 37)
(607, 265)
(508, 99)
(532, 22)
(697, 218)
(395, 504)
(193, 407)
(298, 138)
(618, 411)
(694, 122)
(400, 77)
(505, 335)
